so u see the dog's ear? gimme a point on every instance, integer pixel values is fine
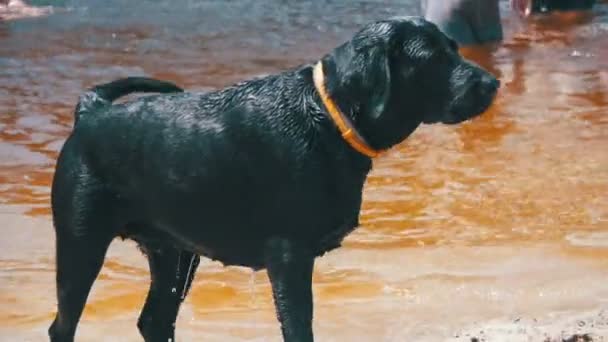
(359, 77)
(379, 79)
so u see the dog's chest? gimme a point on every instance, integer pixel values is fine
(332, 239)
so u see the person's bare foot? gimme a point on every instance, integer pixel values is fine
(15, 9)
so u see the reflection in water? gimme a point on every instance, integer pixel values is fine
(449, 216)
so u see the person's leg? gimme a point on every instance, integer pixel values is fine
(468, 22)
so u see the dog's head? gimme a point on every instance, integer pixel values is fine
(395, 74)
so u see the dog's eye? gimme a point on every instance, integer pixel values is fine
(453, 44)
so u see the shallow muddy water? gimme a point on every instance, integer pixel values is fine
(501, 219)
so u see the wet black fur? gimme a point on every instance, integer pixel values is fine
(255, 174)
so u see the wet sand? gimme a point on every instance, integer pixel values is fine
(496, 229)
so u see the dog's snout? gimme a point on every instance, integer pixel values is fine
(489, 83)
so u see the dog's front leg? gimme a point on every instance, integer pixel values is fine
(290, 267)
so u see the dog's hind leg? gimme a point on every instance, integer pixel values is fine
(85, 222)
(171, 273)
(78, 261)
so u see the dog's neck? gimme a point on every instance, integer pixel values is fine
(348, 131)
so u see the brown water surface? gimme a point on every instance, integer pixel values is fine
(505, 216)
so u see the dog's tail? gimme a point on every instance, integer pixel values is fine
(104, 94)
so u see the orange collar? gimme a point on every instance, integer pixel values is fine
(349, 132)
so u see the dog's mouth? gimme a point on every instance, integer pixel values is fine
(469, 106)
(457, 113)
(457, 116)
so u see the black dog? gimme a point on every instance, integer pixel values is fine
(267, 173)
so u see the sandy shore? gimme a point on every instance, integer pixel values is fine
(443, 293)
(571, 326)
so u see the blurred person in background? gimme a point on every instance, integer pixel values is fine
(471, 22)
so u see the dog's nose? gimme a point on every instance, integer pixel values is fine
(489, 83)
